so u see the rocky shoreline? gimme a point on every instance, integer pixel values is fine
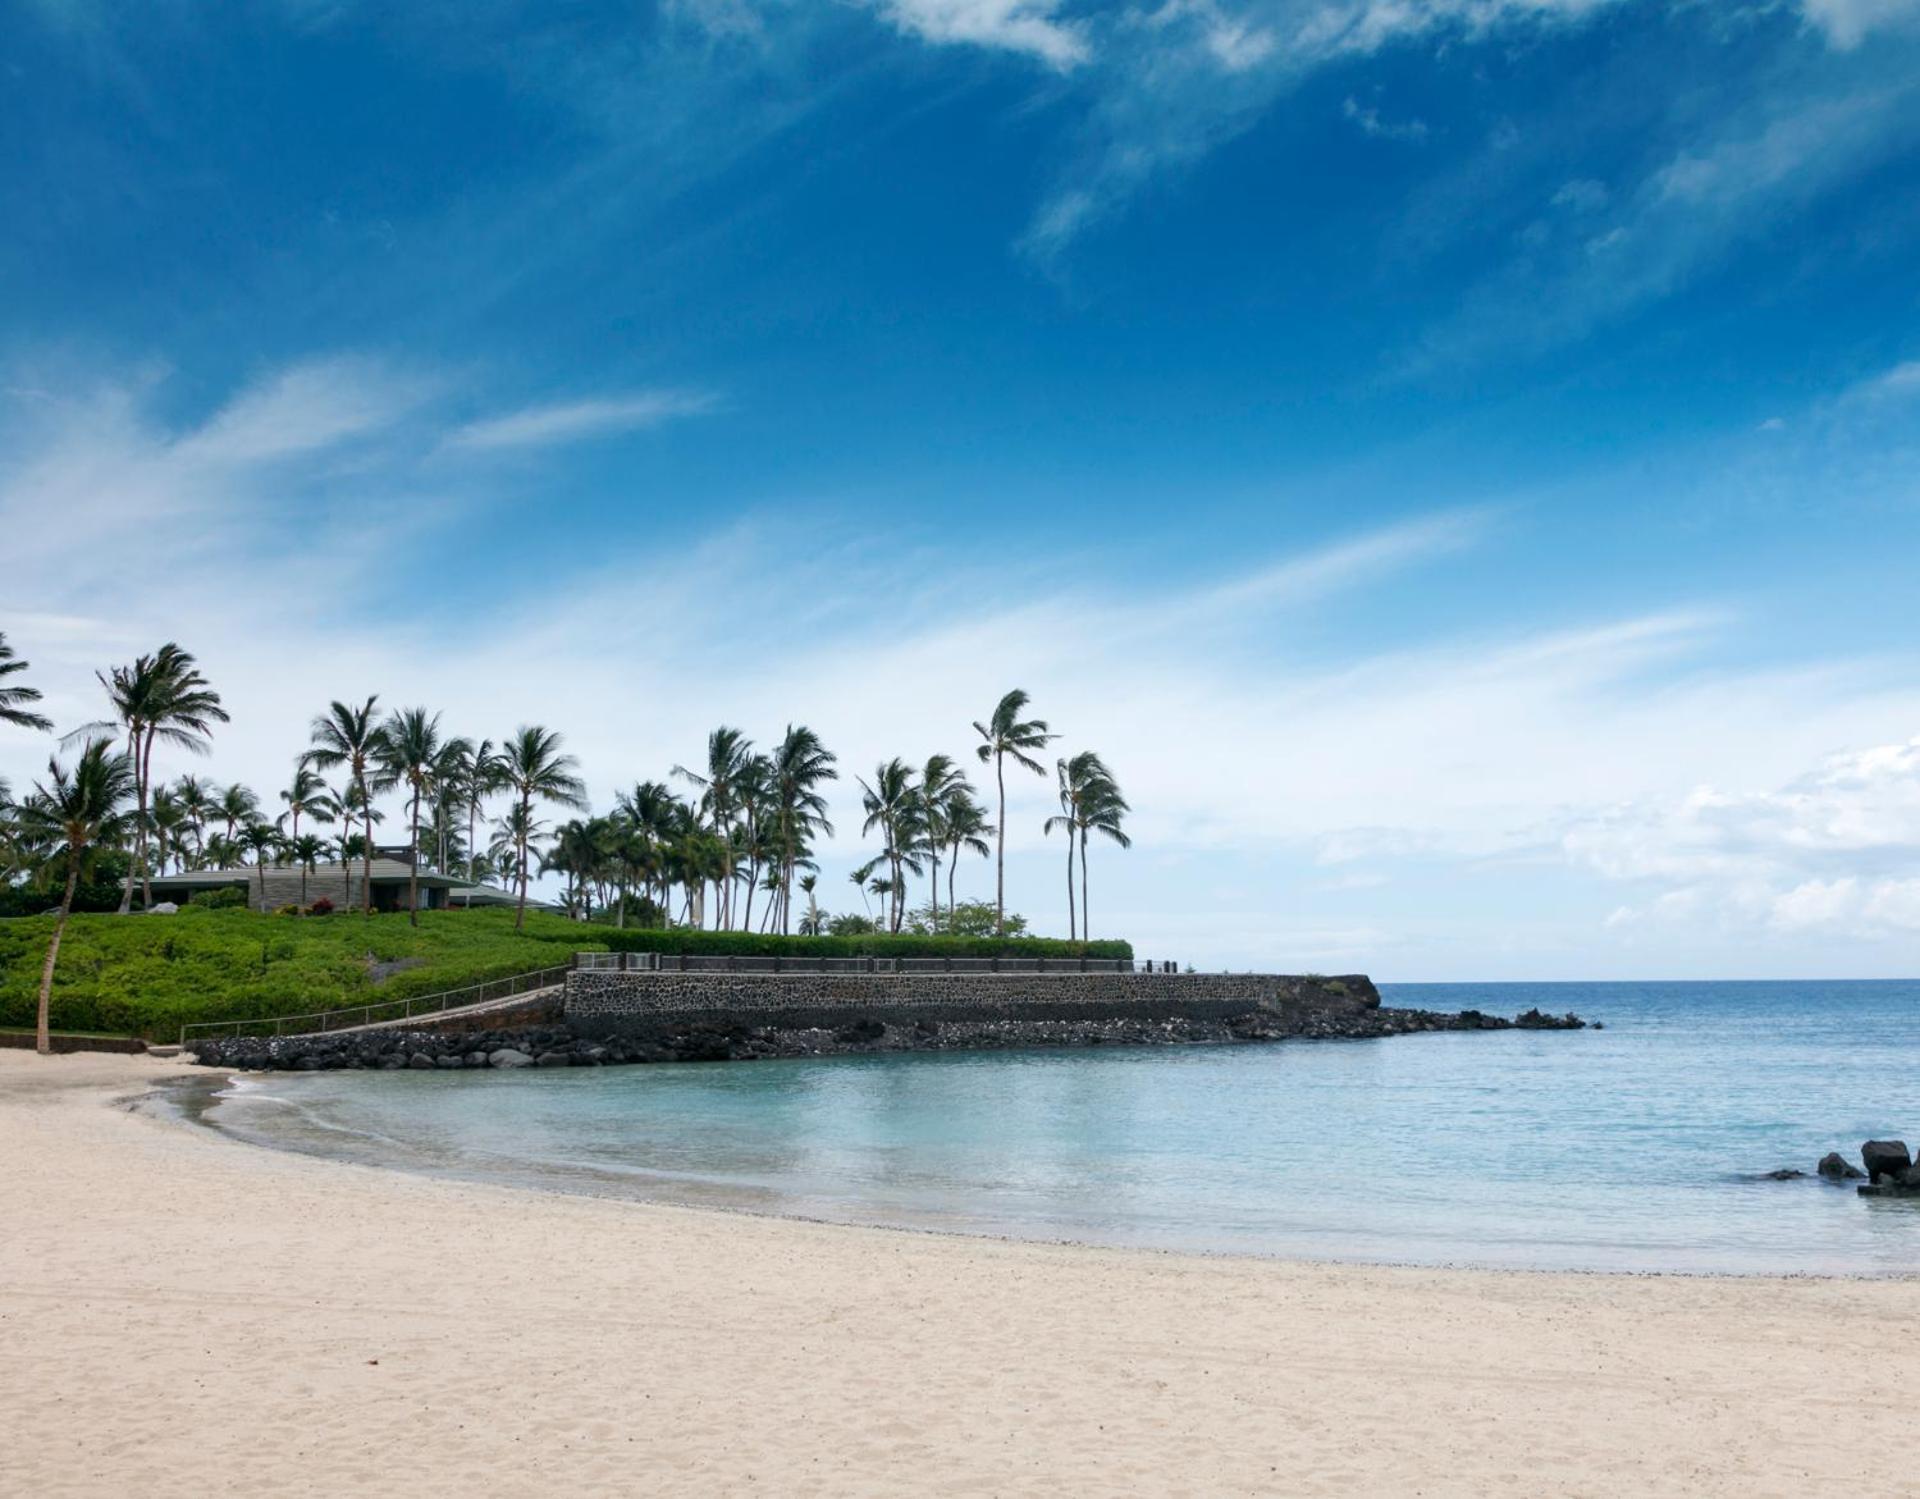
(555, 1045)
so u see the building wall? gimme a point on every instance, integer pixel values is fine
(613, 1003)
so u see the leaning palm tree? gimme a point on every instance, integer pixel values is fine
(351, 737)
(72, 814)
(14, 699)
(1085, 784)
(1001, 736)
(536, 769)
(479, 774)
(411, 756)
(721, 781)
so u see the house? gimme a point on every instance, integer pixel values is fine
(282, 885)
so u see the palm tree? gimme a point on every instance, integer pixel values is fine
(1086, 787)
(966, 824)
(13, 700)
(892, 804)
(480, 774)
(72, 813)
(168, 818)
(534, 766)
(939, 780)
(654, 811)
(352, 737)
(239, 806)
(307, 794)
(729, 756)
(1002, 735)
(1103, 810)
(196, 803)
(801, 765)
(410, 755)
(812, 924)
(306, 851)
(260, 839)
(158, 697)
(1067, 819)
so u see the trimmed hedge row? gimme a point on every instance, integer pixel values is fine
(871, 945)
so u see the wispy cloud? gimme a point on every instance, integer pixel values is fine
(1030, 27)
(305, 409)
(1847, 23)
(575, 421)
(1373, 123)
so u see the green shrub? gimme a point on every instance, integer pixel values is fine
(223, 898)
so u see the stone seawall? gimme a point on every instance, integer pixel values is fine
(611, 1003)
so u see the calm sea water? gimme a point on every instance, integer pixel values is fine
(1630, 1148)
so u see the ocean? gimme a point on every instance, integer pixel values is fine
(1639, 1147)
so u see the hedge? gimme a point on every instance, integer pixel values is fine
(869, 945)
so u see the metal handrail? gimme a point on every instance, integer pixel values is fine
(419, 1004)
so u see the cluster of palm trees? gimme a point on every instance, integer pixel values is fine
(730, 853)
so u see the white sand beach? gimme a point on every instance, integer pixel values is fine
(182, 1314)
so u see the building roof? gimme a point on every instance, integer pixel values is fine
(384, 872)
(492, 895)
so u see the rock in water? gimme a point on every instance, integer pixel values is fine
(1836, 1167)
(1784, 1174)
(1885, 1158)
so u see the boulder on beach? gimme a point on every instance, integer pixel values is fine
(507, 1056)
(1885, 1158)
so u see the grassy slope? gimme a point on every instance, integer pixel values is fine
(148, 975)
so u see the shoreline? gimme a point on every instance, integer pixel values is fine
(188, 1315)
(199, 1081)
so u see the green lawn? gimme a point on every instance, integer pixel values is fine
(149, 975)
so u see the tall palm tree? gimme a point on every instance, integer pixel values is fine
(801, 766)
(939, 779)
(261, 839)
(410, 757)
(14, 698)
(729, 760)
(1103, 810)
(536, 768)
(812, 924)
(161, 697)
(307, 795)
(73, 813)
(653, 810)
(1067, 820)
(1002, 736)
(352, 737)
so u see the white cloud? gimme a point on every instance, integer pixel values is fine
(1372, 123)
(573, 421)
(1830, 852)
(305, 409)
(1030, 27)
(1846, 23)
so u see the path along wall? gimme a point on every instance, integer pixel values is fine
(613, 1003)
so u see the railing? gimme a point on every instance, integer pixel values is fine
(369, 1014)
(653, 962)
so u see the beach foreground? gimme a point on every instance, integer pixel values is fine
(183, 1314)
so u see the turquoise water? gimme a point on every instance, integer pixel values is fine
(1628, 1148)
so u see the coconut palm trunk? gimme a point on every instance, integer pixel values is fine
(42, 1036)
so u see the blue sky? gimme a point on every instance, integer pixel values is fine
(1458, 460)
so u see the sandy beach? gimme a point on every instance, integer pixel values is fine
(182, 1314)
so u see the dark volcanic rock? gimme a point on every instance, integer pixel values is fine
(1836, 1167)
(1885, 1158)
(1783, 1174)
